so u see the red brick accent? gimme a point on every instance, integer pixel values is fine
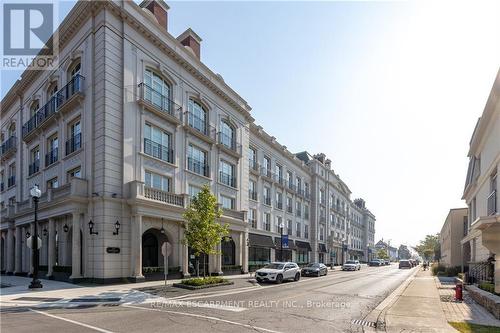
(160, 13)
(193, 44)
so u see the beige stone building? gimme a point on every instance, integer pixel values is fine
(482, 241)
(452, 232)
(123, 133)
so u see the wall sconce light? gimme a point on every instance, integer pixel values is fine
(45, 232)
(91, 228)
(117, 228)
(65, 228)
(162, 230)
(28, 234)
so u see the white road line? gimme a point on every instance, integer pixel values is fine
(72, 321)
(205, 317)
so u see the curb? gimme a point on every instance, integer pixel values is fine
(377, 315)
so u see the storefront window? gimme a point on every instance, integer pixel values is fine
(302, 256)
(259, 255)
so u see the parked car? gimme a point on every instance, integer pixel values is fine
(351, 265)
(405, 264)
(277, 272)
(374, 262)
(387, 262)
(314, 269)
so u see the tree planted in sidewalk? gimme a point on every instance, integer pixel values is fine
(203, 233)
(382, 254)
(429, 248)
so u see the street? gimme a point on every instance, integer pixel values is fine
(325, 304)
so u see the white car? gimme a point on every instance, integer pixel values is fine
(278, 271)
(351, 265)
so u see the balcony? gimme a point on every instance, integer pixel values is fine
(34, 167)
(229, 145)
(158, 151)
(235, 214)
(160, 104)
(253, 166)
(198, 167)
(492, 203)
(279, 180)
(279, 204)
(11, 181)
(164, 196)
(227, 179)
(267, 201)
(266, 173)
(289, 209)
(253, 223)
(51, 157)
(199, 127)
(8, 147)
(74, 143)
(252, 195)
(62, 100)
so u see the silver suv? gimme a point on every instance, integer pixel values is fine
(278, 271)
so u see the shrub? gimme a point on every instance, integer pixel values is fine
(489, 287)
(453, 271)
(203, 281)
(436, 269)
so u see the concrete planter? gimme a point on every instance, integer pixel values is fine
(186, 286)
(487, 300)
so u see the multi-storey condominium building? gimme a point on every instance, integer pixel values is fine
(450, 236)
(482, 237)
(125, 131)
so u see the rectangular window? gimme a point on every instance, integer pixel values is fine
(52, 150)
(267, 196)
(259, 256)
(306, 231)
(279, 173)
(289, 227)
(11, 181)
(289, 179)
(197, 161)
(306, 188)
(297, 229)
(306, 212)
(299, 184)
(157, 143)
(226, 174)
(267, 167)
(157, 181)
(267, 222)
(289, 204)
(279, 224)
(321, 233)
(34, 160)
(75, 137)
(252, 158)
(279, 200)
(193, 190)
(227, 202)
(53, 183)
(76, 172)
(252, 190)
(298, 209)
(252, 217)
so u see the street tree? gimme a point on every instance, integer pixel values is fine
(382, 254)
(203, 231)
(429, 248)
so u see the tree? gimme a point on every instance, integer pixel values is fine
(202, 230)
(382, 254)
(429, 248)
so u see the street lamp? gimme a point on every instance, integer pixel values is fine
(35, 283)
(117, 228)
(280, 225)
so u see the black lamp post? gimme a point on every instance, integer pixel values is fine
(35, 283)
(343, 246)
(91, 228)
(117, 228)
(281, 241)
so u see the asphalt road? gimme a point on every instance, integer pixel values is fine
(325, 304)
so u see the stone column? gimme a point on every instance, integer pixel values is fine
(10, 250)
(244, 257)
(184, 255)
(51, 260)
(18, 266)
(136, 248)
(76, 247)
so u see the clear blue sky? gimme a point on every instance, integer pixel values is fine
(390, 91)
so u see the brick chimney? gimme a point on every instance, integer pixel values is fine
(159, 9)
(191, 41)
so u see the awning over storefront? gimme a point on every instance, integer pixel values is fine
(321, 248)
(256, 240)
(291, 244)
(303, 245)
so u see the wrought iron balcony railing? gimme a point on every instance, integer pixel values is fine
(492, 203)
(227, 179)
(74, 143)
(198, 167)
(51, 157)
(34, 167)
(158, 151)
(8, 146)
(160, 102)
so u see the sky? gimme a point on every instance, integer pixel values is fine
(389, 91)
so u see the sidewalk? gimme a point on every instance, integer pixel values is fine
(414, 307)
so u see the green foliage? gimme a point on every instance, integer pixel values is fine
(382, 254)
(489, 287)
(203, 233)
(203, 281)
(429, 248)
(473, 328)
(441, 270)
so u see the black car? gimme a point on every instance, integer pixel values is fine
(374, 263)
(314, 269)
(405, 264)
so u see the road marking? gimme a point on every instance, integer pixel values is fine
(72, 321)
(205, 317)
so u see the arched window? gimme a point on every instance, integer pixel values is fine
(157, 91)
(51, 95)
(228, 252)
(197, 116)
(227, 135)
(74, 70)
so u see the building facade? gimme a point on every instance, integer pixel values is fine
(451, 235)
(124, 132)
(482, 240)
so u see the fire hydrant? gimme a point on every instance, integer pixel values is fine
(458, 291)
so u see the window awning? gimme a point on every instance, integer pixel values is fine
(303, 245)
(322, 248)
(255, 240)
(291, 245)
